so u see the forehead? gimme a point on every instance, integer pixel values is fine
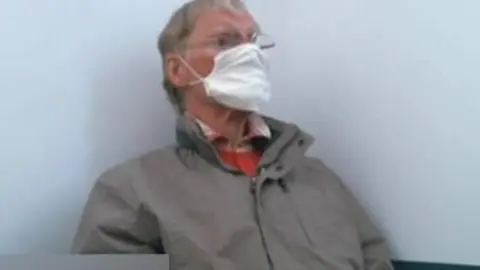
(213, 21)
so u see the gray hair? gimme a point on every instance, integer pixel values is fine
(176, 32)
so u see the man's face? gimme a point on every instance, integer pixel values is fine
(214, 31)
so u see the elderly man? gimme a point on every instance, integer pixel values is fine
(237, 191)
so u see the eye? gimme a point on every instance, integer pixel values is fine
(223, 41)
(228, 40)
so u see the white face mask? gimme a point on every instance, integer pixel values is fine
(239, 78)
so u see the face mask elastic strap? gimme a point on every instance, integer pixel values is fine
(200, 79)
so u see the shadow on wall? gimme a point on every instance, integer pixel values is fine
(129, 114)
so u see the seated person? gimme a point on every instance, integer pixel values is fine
(236, 191)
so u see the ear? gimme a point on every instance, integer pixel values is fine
(176, 70)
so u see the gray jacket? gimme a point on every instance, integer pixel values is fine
(183, 201)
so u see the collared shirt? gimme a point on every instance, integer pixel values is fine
(257, 128)
(244, 157)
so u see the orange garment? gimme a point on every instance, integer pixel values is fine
(247, 161)
(245, 158)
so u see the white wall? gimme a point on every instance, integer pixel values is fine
(393, 90)
(80, 90)
(390, 89)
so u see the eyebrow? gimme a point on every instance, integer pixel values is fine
(231, 29)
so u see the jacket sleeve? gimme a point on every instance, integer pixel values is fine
(375, 248)
(114, 219)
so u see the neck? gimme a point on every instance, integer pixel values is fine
(229, 123)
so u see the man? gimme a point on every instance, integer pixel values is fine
(237, 191)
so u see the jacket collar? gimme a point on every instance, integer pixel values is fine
(286, 147)
(256, 126)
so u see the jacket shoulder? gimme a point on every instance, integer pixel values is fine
(320, 174)
(316, 165)
(116, 218)
(132, 174)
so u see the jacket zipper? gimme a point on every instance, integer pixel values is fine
(253, 191)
